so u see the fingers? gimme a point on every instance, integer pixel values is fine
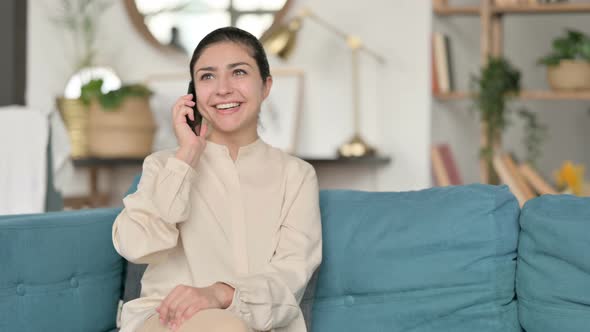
(183, 105)
(187, 314)
(180, 115)
(165, 309)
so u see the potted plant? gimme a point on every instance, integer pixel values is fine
(121, 123)
(568, 65)
(495, 86)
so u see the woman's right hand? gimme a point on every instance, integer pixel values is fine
(190, 145)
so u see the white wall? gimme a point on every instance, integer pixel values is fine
(395, 101)
(526, 38)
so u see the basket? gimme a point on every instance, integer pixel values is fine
(125, 132)
(75, 116)
(569, 75)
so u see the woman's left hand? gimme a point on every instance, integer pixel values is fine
(185, 301)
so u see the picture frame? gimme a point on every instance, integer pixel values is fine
(166, 88)
(280, 113)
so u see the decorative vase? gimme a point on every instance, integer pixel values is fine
(75, 116)
(569, 75)
(125, 132)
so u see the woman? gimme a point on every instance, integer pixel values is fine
(229, 226)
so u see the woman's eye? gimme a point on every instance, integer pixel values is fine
(239, 72)
(207, 76)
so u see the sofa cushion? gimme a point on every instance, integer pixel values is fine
(59, 272)
(553, 274)
(441, 259)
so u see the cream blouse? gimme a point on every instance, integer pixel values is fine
(253, 223)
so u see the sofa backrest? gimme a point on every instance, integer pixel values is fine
(553, 273)
(440, 259)
(59, 272)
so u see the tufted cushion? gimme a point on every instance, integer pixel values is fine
(441, 259)
(59, 272)
(553, 274)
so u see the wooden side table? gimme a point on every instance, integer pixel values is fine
(95, 198)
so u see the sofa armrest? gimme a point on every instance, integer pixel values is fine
(60, 271)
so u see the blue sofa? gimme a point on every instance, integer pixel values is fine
(463, 258)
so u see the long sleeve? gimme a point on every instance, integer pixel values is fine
(145, 230)
(270, 299)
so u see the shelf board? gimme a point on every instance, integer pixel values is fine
(544, 8)
(524, 95)
(106, 162)
(373, 160)
(455, 95)
(524, 9)
(555, 95)
(456, 10)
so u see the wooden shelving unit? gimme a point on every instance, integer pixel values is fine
(524, 95)
(491, 43)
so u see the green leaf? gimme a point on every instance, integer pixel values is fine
(91, 90)
(574, 45)
(113, 99)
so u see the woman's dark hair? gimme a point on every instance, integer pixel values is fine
(235, 35)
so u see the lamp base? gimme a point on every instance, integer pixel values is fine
(356, 148)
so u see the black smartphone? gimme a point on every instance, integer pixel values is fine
(195, 125)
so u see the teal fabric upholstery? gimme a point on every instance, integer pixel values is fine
(59, 272)
(441, 259)
(437, 260)
(553, 274)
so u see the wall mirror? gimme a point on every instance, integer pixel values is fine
(176, 26)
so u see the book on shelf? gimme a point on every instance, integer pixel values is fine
(520, 180)
(444, 168)
(536, 181)
(442, 65)
(509, 175)
(434, 71)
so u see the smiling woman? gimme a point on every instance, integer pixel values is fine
(175, 26)
(228, 225)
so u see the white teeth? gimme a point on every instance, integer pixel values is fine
(226, 106)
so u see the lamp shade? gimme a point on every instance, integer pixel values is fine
(281, 40)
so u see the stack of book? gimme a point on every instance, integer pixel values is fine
(523, 179)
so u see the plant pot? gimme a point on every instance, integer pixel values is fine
(569, 75)
(75, 116)
(124, 132)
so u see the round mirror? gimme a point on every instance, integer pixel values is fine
(177, 26)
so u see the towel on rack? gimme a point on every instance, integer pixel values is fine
(23, 160)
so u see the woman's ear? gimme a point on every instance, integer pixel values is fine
(267, 85)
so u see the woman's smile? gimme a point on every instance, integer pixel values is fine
(228, 108)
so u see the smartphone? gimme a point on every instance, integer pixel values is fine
(195, 125)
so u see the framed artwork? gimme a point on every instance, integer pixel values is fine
(280, 113)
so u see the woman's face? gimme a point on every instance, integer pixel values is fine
(229, 88)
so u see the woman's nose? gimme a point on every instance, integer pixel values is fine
(223, 86)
